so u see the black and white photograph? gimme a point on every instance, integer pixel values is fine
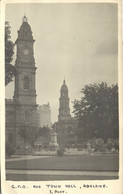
(61, 91)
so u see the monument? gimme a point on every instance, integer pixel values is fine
(53, 145)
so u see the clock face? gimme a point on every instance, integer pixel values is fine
(25, 51)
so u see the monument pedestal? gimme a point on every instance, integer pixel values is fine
(53, 145)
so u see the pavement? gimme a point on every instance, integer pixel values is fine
(62, 173)
(23, 157)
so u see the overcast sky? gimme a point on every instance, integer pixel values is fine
(75, 41)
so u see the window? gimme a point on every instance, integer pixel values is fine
(27, 116)
(26, 83)
(65, 111)
(10, 117)
(25, 33)
(10, 138)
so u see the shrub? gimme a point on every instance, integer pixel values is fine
(9, 149)
(60, 152)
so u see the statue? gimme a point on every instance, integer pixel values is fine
(53, 141)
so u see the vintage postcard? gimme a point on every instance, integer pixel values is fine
(61, 75)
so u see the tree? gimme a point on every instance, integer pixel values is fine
(44, 131)
(9, 51)
(28, 134)
(97, 111)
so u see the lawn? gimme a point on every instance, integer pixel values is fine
(82, 163)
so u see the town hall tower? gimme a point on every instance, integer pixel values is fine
(64, 110)
(66, 125)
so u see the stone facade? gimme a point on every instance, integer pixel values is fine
(10, 121)
(23, 107)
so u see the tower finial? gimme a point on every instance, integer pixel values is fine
(24, 18)
(64, 80)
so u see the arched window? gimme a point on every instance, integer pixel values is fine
(10, 117)
(26, 83)
(25, 33)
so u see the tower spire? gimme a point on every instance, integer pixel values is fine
(24, 19)
(64, 80)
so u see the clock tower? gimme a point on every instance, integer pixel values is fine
(64, 110)
(25, 92)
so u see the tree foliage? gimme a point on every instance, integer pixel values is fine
(44, 131)
(28, 134)
(97, 111)
(9, 51)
